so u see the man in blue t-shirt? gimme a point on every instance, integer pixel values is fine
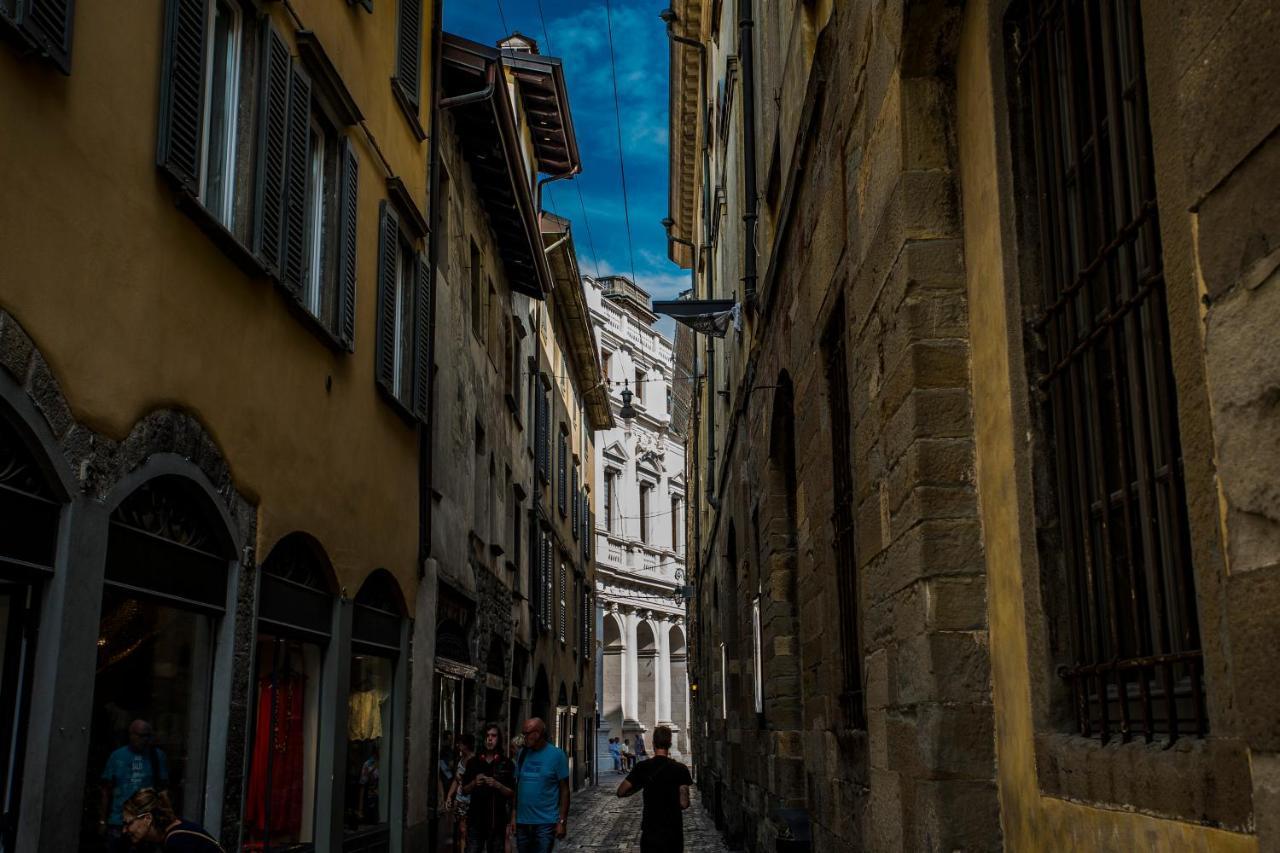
(542, 791)
(129, 769)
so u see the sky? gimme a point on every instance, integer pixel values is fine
(577, 34)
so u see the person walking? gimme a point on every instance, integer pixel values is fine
(665, 783)
(128, 770)
(148, 818)
(641, 752)
(542, 792)
(457, 801)
(628, 756)
(489, 779)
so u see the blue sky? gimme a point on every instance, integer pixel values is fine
(577, 33)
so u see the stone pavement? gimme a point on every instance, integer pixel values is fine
(598, 820)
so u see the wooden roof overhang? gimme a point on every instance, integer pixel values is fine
(683, 133)
(490, 141)
(545, 98)
(571, 306)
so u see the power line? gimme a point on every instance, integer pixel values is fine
(617, 115)
(503, 17)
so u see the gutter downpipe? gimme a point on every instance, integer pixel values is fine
(426, 461)
(746, 54)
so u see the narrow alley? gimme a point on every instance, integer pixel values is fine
(599, 820)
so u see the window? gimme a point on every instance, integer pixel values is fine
(222, 82)
(403, 301)
(200, 102)
(676, 525)
(44, 27)
(757, 654)
(562, 480)
(639, 397)
(842, 516)
(668, 410)
(406, 83)
(724, 682)
(477, 294)
(604, 364)
(296, 600)
(164, 596)
(610, 495)
(564, 594)
(543, 449)
(644, 512)
(1122, 546)
(574, 512)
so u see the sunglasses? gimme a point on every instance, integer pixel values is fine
(129, 821)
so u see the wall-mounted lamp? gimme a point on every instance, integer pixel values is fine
(627, 412)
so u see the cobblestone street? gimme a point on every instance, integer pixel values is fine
(598, 820)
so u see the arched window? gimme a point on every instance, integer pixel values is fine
(29, 514)
(296, 594)
(164, 595)
(373, 703)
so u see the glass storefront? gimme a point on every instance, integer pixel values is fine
(280, 791)
(368, 734)
(29, 516)
(164, 594)
(153, 675)
(295, 618)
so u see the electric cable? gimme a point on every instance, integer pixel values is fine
(617, 115)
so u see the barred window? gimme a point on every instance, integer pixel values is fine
(842, 517)
(1117, 532)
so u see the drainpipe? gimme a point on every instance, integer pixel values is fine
(425, 456)
(746, 57)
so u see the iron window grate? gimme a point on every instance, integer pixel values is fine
(1106, 382)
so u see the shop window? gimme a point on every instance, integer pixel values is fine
(375, 649)
(30, 512)
(295, 613)
(164, 595)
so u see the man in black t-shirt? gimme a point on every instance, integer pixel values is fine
(490, 780)
(665, 783)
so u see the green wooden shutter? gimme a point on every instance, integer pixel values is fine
(273, 124)
(48, 24)
(348, 205)
(422, 340)
(388, 252)
(182, 93)
(409, 49)
(293, 258)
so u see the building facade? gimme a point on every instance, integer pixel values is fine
(213, 391)
(984, 553)
(640, 529)
(516, 409)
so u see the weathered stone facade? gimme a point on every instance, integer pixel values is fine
(869, 451)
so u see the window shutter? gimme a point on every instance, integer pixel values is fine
(367, 4)
(574, 514)
(562, 484)
(273, 105)
(548, 585)
(348, 204)
(293, 259)
(388, 251)
(48, 24)
(182, 93)
(409, 49)
(422, 340)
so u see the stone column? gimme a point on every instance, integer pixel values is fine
(663, 693)
(630, 671)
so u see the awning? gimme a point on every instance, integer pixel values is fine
(705, 316)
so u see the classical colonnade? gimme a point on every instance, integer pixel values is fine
(644, 673)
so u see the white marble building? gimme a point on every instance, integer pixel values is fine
(640, 548)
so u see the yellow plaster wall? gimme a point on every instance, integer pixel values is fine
(1030, 821)
(135, 308)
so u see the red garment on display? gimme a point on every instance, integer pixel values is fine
(277, 743)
